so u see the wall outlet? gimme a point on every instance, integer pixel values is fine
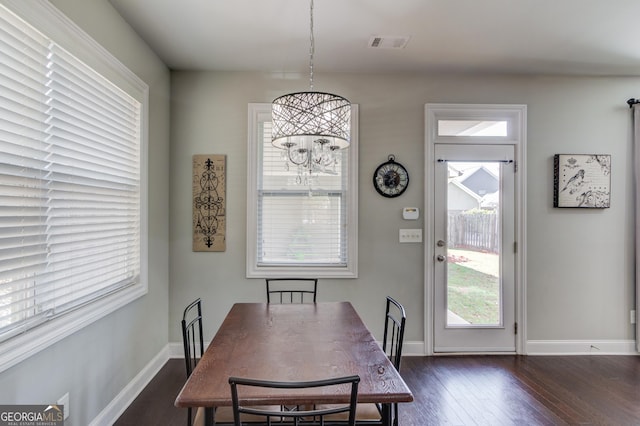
(632, 316)
(64, 401)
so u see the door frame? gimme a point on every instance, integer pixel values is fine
(516, 115)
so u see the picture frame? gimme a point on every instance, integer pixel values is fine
(209, 202)
(582, 181)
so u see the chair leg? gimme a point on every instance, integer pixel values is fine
(395, 414)
(189, 416)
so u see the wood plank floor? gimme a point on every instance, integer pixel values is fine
(471, 390)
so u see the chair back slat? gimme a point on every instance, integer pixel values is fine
(192, 334)
(291, 290)
(394, 324)
(306, 413)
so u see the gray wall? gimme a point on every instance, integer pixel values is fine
(580, 262)
(95, 364)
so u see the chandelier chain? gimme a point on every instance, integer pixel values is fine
(311, 127)
(311, 46)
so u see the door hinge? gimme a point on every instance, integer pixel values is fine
(515, 167)
(515, 247)
(515, 328)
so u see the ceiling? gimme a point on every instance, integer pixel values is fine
(583, 37)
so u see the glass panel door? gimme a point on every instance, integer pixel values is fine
(474, 262)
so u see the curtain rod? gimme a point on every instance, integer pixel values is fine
(631, 102)
(444, 160)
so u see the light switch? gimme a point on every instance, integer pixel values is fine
(411, 235)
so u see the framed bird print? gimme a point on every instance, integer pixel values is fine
(582, 180)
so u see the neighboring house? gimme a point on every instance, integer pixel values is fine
(461, 198)
(473, 188)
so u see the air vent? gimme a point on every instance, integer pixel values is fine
(388, 42)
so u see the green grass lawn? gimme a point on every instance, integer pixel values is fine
(473, 295)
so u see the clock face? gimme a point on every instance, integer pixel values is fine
(390, 179)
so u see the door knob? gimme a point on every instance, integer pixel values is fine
(440, 258)
(441, 243)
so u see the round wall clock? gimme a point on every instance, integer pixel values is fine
(390, 179)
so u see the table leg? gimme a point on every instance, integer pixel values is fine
(386, 414)
(208, 416)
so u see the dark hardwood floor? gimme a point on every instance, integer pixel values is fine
(471, 390)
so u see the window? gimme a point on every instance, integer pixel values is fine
(299, 225)
(472, 127)
(485, 123)
(71, 181)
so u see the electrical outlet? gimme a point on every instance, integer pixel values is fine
(632, 316)
(64, 401)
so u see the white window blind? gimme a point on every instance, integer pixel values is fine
(299, 225)
(302, 218)
(70, 181)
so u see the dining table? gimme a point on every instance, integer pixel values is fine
(294, 342)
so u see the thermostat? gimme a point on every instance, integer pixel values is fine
(410, 213)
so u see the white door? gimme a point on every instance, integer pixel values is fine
(473, 247)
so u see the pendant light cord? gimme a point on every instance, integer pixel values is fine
(311, 47)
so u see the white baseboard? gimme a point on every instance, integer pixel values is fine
(413, 348)
(553, 347)
(176, 350)
(581, 347)
(121, 402)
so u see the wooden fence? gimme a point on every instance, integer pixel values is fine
(474, 231)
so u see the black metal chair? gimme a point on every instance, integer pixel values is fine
(310, 415)
(392, 341)
(291, 290)
(193, 343)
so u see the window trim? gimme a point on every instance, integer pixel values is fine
(258, 112)
(55, 25)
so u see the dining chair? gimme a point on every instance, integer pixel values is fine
(193, 344)
(309, 415)
(291, 290)
(393, 338)
(392, 341)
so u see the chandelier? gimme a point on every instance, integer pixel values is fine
(310, 127)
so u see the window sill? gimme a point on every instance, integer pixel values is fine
(21, 347)
(301, 272)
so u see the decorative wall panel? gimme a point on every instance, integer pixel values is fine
(209, 203)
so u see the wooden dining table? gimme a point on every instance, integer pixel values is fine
(293, 342)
